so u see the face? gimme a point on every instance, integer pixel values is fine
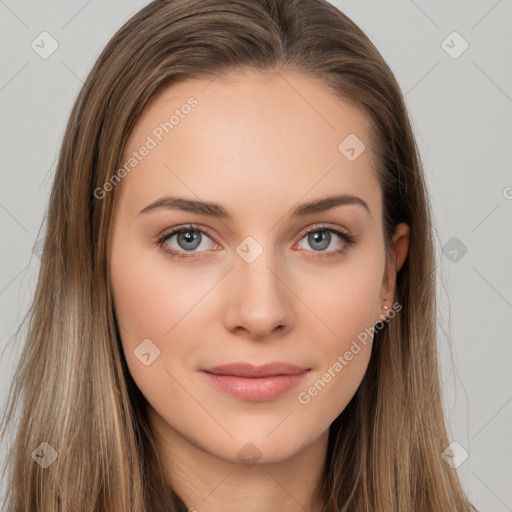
(259, 275)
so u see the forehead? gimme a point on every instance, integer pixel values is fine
(264, 137)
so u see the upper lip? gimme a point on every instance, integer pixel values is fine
(249, 370)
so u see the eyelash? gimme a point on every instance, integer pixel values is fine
(350, 240)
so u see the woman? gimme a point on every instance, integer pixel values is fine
(191, 346)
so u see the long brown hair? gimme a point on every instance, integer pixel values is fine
(76, 394)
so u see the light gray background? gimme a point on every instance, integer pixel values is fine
(461, 110)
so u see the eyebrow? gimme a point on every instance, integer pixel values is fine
(216, 210)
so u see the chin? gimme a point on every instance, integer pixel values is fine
(261, 446)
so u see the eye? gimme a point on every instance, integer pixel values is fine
(188, 239)
(320, 237)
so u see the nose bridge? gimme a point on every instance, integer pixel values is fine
(259, 301)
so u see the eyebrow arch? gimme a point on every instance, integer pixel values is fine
(216, 210)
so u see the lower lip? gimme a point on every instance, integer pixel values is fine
(256, 389)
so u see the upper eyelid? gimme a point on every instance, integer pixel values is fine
(185, 227)
(323, 227)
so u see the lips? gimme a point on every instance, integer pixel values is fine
(255, 383)
(250, 371)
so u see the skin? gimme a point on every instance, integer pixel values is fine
(259, 148)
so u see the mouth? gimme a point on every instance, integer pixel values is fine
(255, 383)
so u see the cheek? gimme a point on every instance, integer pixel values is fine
(151, 305)
(151, 297)
(140, 299)
(344, 299)
(162, 303)
(354, 304)
(351, 296)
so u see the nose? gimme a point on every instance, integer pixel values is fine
(259, 303)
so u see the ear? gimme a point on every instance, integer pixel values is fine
(400, 250)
